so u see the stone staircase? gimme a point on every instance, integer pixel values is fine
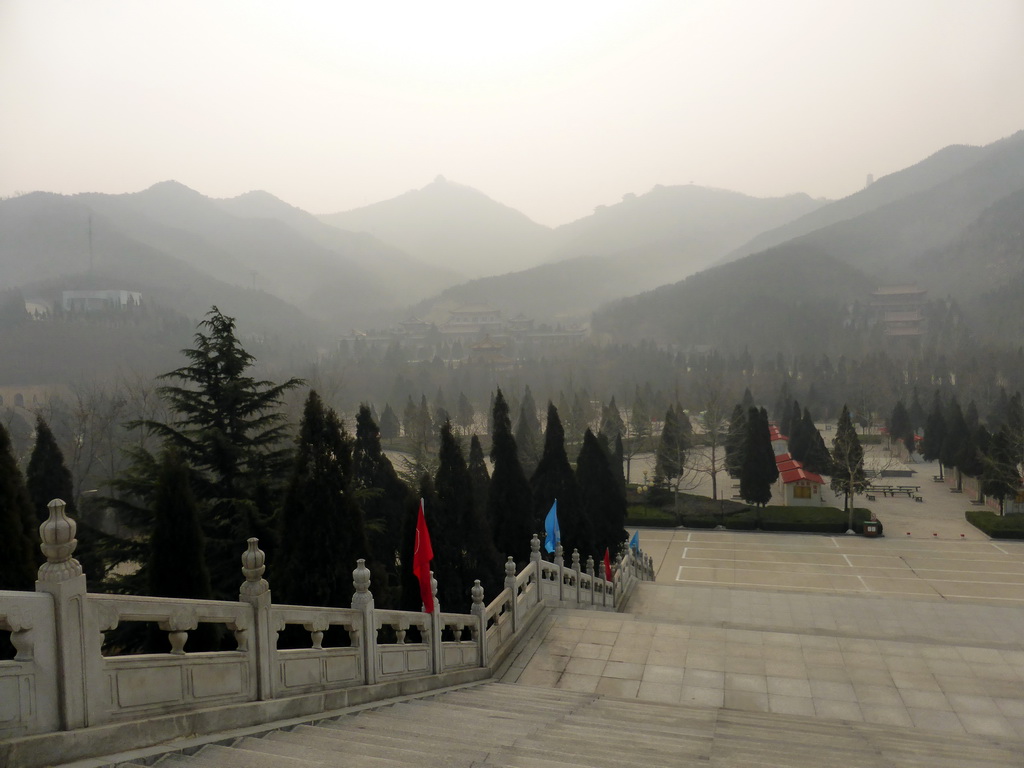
(520, 726)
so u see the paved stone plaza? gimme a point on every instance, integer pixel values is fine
(922, 631)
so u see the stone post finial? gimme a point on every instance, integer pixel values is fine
(559, 554)
(590, 565)
(535, 548)
(510, 572)
(361, 584)
(477, 593)
(576, 560)
(433, 591)
(253, 568)
(58, 543)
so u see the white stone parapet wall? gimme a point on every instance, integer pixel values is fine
(60, 680)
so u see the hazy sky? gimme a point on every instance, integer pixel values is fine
(550, 107)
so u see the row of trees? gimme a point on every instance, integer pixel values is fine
(957, 438)
(220, 469)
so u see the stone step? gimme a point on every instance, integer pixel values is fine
(326, 752)
(386, 738)
(498, 725)
(217, 756)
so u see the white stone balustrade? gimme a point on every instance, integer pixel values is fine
(60, 680)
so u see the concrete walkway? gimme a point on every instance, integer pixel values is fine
(924, 631)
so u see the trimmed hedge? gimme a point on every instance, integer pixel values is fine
(988, 522)
(786, 519)
(639, 516)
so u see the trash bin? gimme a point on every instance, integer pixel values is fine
(871, 528)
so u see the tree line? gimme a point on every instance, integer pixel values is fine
(215, 465)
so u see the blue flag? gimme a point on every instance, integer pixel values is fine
(634, 543)
(554, 535)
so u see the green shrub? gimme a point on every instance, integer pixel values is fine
(988, 522)
(639, 516)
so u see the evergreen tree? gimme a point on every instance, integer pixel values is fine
(48, 478)
(934, 433)
(382, 497)
(390, 428)
(848, 475)
(554, 479)
(452, 516)
(322, 532)
(670, 458)
(748, 400)
(509, 501)
(481, 479)
(410, 418)
(790, 421)
(817, 457)
(482, 560)
(228, 428)
(916, 413)
(618, 459)
(176, 566)
(900, 428)
(759, 468)
(528, 437)
(1000, 476)
(602, 499)
(735, 441)
(998, 410)
(799, 443)
(975, 450)
(611, 421)
(17, 558)
(954, 444)
(1015, 428)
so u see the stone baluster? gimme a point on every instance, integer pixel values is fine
(593, 575)
(510, 585)
(364, 634)
(478, 629)
(576, 575)
(535, 555)
(434, 629)
(256, 592)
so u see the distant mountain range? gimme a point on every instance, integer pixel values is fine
(951, 224)
(682, 265)
(642, 242)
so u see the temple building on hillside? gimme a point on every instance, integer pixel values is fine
(900, 310)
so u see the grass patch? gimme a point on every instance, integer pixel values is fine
(988, 522)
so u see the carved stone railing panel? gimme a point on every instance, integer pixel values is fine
(28, 682)
(138, 685)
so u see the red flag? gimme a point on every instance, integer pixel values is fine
(607, 565)
(421, 557)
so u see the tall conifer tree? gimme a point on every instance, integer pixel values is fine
(382, 497)
(554, 479)
(322, 532)
(934, 433)
(17, 559)
(759, 467)
(602, 498)
(848, 477)
(509, 501)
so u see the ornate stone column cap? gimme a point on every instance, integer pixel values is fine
(58, 543)
(253, 568)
